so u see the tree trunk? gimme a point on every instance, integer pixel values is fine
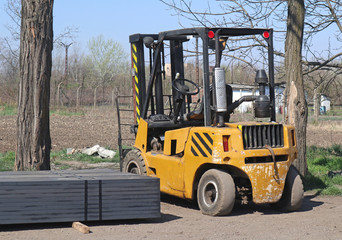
(297, 106)
(36, 39)
(316, 104)
(78, 97)
(59, 99)
(95, 96)
(113, 97)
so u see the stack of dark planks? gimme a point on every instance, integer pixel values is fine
(80, 195)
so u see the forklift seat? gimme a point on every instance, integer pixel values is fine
(197, 114)
(161, 121)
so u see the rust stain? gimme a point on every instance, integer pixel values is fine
(33, 32)
(216, 153)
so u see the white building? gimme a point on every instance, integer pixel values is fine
(325, 102)
(240, 90)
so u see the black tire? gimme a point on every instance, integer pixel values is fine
(293, 193)
(216, 193)
(134, 163)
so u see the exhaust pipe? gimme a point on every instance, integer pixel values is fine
(220, 94)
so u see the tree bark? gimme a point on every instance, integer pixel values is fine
(316, 104)
(59, 99)
(78, 97)
(297, 106)
(95, 96)
(36, 39)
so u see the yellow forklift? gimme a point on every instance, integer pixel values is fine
(192, 146)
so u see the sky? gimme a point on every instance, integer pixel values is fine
(113, 19)
(117, 19)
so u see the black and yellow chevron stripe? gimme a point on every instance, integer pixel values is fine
(136, 80)
(201, 144)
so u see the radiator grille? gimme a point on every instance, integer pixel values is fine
(257, 136)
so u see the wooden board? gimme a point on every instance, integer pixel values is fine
(81, 195)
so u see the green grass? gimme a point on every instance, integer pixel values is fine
(335, 114)
(8, 110)
(59, 158)
(67, 112)
(62, 160)
(329, 118)
(321, 161)
(7, 161)
(62, 156)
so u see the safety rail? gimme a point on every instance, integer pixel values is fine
(167, 108)
(120, 125)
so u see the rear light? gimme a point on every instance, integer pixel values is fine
(211, 34)
(225, 139)
(266, 34)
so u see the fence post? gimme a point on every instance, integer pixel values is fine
(131, 102)
(113, 97)
(95, 95)
(59, 100)
(78, 97)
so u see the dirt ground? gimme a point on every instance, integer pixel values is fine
(94, 127)
(100, 127)
(319, 218)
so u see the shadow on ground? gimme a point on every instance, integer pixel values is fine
(308, 204)
(42, 226)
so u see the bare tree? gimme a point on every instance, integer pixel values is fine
(326, 81)
(66, 64)
(107, 59)
(9, 46)
(13, 11)
(237, 13)
(9, 72)
(57, 72)
(296, 102)
(9, 66)
(323, 68)
(323, 15)
(36, 41)
(77, 72)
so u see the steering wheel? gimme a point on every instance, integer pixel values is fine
(178, 85)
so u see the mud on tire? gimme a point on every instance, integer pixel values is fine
(134, 163)
(216, 193)
(293, 193)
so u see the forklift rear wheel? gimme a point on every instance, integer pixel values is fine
(216, 193)
(134, 163)
(293, 193)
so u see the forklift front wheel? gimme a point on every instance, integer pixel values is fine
(216, 193)
(134, 163)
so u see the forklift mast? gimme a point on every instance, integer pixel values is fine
(148, 92)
